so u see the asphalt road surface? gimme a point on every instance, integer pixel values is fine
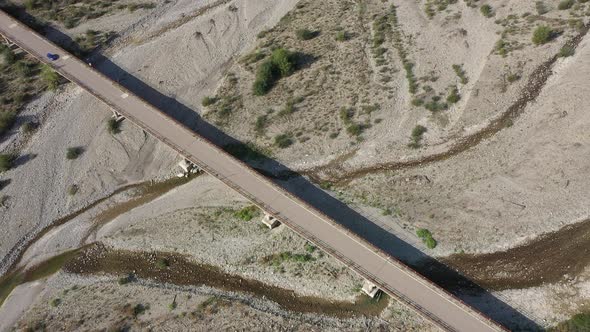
(390, 275)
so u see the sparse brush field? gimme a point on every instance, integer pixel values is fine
(390, 67)
(71, 13)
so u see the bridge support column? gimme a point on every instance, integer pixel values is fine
(270, 221)
(370, 289)
(187, 168)
(118, 116)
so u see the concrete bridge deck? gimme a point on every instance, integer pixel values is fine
(389, 274)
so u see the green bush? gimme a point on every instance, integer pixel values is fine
(162, 263)
(283, 141)
(126, 279)
(73, 153)
(486, 10)
(72, 190)
(543, 34)
(541, 8)
(265, 78)
(306, 34)
(208, 101)
(50, 77)
(6, 121)
(566, 50)
(280, 64)
(426, 237)
(260, 124)
(113, 126)
(416, 137)
(342, 36)
(565, 4)
(55, 302)
(247, 213)
(453, 96)
(283, 60)
(6, 162)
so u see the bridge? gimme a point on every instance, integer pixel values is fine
(378, 268)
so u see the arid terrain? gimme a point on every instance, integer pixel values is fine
(449, 124)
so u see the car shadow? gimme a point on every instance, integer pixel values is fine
(446, 277)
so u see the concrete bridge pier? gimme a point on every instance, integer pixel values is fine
(187, 168)
(270, 221)
(370, 289)
(118, 116)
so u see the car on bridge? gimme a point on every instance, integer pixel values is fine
(52, 57)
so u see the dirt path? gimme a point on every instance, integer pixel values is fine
(177, 270)
(546, 259)
(335, 173)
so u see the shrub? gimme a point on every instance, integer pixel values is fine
(208, 101)
(342, 36)
(453, 96)
(260, 124)
(265, 78)
(162, 263)
(247, 213)
(512, 77)
(565, 4)
(283, 60)
(541, 8)
(461, 73)
(486, 10)
(172, 305)
(417, 134)
(72, 190)
(310, 248)
(6, 121)
(305, 34)
(28, 127)
(6, 162)
(543, 34)
(73, 153)
(50, 77)
(126, 279)
(113, 126)
(426, 237)
(283, 141)
(24, 68)
(55, 302)
(354, 129)
(566, 50)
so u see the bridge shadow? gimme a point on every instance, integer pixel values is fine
(444, 276)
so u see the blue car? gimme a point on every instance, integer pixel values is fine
(52, 56)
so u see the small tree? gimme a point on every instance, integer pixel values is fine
(542, 35)
(565, 4)
(283, 141)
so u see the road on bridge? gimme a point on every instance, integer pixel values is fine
(387, 273)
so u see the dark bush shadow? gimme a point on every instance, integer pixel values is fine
(301, 187)
(4, 183)
(23, 159)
